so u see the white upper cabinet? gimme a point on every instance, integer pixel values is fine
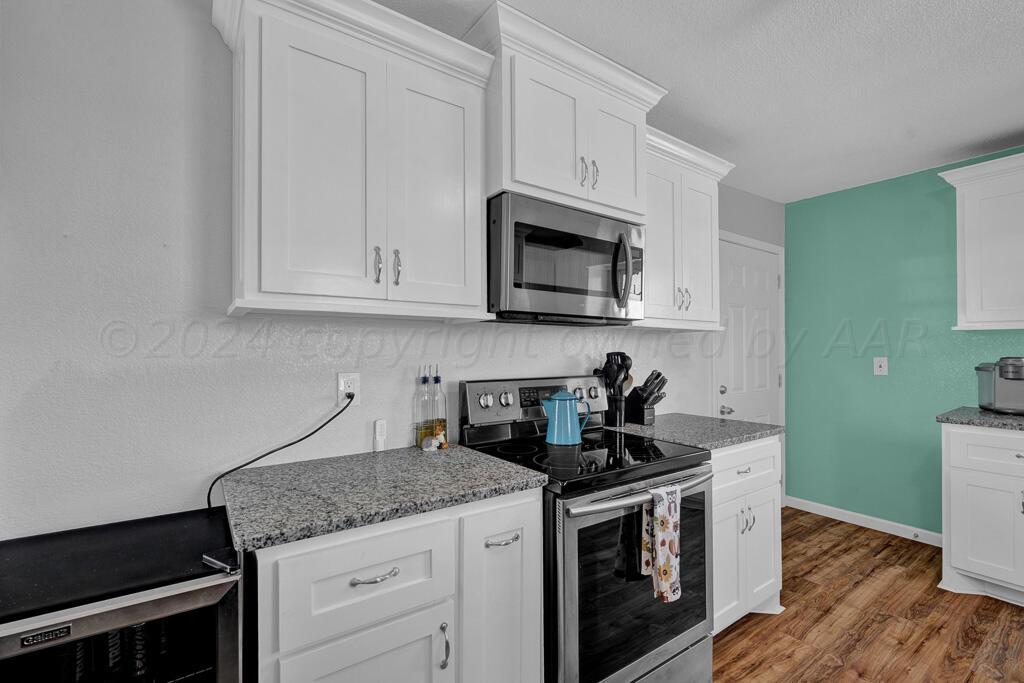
(564, 123)
(681, 286)
(990, 207)
(358, 161)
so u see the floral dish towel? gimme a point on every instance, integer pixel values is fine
(660, 543)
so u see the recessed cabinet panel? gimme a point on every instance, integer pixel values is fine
(548, 148)
(434, 211)
(700, 247)
(410, 649)
(987, 520)
(662, 265)
(763, 560)
(993, 250)
(730, 563)
(322, 163)
(615, 142)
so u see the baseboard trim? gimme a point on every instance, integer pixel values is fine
(884, 525)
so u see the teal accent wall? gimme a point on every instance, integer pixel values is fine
(871, 271)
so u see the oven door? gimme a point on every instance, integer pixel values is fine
(611, 627)
(552, 260)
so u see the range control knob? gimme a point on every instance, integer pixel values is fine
(505, 399)
(578, 391)
(593, 392)
(486, 400)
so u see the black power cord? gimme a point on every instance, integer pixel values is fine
(209, 492)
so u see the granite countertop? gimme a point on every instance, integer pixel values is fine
(702, 431)
(976, 417)
(278, 504)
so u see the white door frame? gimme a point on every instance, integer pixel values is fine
(780, 254)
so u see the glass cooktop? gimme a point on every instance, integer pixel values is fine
(605, 457)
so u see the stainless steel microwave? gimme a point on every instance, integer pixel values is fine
(551, 264)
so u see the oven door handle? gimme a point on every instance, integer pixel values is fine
(631, 500)
(622, 295)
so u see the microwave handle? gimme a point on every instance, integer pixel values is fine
(623, 295)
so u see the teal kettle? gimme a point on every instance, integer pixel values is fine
(564, 419)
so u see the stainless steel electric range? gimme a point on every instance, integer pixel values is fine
(602, 621)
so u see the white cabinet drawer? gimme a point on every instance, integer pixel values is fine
(748, 467)
(987, 450)
(336, 589)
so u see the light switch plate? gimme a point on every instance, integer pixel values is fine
(882, 365)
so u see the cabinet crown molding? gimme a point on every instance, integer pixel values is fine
(370, 22)
(986, 170)
(695, 158)
(502, 26)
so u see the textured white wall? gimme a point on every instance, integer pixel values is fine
(751, 215)
(125, 388)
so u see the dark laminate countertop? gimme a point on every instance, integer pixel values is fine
(702, 431)
(278, 504)
(976, 417)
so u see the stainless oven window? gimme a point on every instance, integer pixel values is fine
(620, 621)
(551, 260)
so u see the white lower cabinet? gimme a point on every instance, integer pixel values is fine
(983, 511)
(449, 595)
(747, 532)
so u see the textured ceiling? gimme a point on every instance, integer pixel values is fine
(806, 96)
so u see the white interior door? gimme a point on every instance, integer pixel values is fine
(322, 216)
(748, 362)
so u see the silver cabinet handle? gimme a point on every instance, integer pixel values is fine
(688, 298)
(378, 264)
(1022, 502)
(447, 645)
(583, 172)
(753, 518)
(725, 410)
(597, 174)
(682, 298)
(377, 579)
(1019, 456)
(501, 544)
(398, 267)
(745, 471)
(743, 517)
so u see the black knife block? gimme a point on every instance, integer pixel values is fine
(636, 412)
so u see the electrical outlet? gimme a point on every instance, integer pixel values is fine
(348, 381)
(882, 365)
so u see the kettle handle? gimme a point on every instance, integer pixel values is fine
(584, 423)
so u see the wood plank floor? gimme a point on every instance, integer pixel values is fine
(863, 606)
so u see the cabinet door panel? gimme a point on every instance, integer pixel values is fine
(322, 163)
(434, 187)
(987, 519)
(616, 135)
(763, 540)
(501, 595)
(993, 211)
(662, 271)
(700, 247)
(548, 111)
(729, 553)
(409, 649)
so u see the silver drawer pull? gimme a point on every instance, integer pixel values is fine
(447, 645)
(377, 579)
(501, 544)
(1019, 456)
(746, 471)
